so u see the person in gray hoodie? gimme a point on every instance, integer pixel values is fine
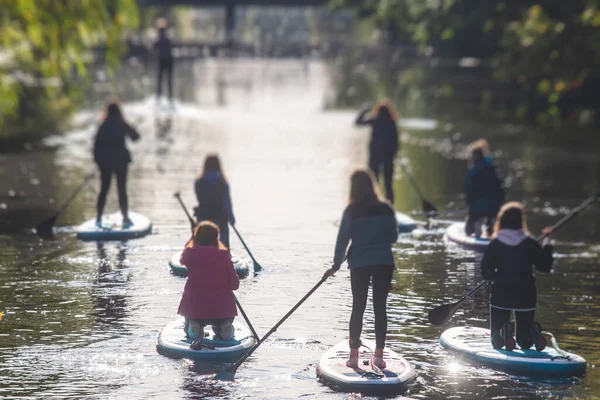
(508, 262)
(369, 223)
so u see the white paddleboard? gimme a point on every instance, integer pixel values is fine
(112, 228)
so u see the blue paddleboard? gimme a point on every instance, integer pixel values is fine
(474, 344)
(456, 233)
(172, 342)
(112, 228)
(405, 223)
(241, 267)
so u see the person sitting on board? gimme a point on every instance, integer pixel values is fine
(384, 143)
(208, 293)
(164, 48)
(508, 261)
(483, 189)
(214, 199)
(112, 157)
(369, 222)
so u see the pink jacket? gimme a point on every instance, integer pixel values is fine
(211, 280)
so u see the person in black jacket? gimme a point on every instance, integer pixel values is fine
(214, 199)
(112, 157)
(384, 142)
(369, 222)
(164, 48)
(508, 262)
(483, 188)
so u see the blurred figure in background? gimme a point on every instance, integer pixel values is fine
(164, 48)
(384, 143)
(112, 157)
(483, 189)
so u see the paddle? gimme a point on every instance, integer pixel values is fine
(229, 373)
(192, 223)
(428, 207)
(441, 314)
(237, 302)
(45, 227)
(257, 266)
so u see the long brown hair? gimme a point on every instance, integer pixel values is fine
(511, 216)
(213, 164)
(112, 110)
(364, 188)
(207, 234)
(383, 106)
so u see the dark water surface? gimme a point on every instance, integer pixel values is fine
(80, 319)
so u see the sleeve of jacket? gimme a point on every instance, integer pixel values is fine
(488, 266)
(543, 257)
(234, 281)
(362, 118)
(229, 206)
(132, 133)
(392, 226)
(343, 238)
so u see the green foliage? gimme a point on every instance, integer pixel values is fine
(551, 45)
(44, 46)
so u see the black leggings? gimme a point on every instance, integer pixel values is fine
(523, 319)
(375, 163)
(165, 67)
(105, 177)
(360, 278)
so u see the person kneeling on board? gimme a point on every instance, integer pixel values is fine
(214, 199)
(370, 223)
(508, 262)
(113, 157)
(483, 189)
(208, 294)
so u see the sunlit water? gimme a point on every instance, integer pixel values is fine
(80, 319)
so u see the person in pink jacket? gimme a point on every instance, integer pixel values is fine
(208, 294)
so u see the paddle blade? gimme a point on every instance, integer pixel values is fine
(224, 376)
(257, 267)
(428, 207)
(45, 227)
(441, 314)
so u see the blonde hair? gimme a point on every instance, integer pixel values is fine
(511, 216)
(386, 103)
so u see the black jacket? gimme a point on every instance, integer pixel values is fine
(384, 135)
(110, 151)
(511, 269)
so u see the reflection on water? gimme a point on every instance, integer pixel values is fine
(89, 313)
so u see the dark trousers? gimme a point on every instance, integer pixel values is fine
(223, 227)
(360, 279)
(489, 220)
(376, 162)
(523, 319)
(165, 67)
(105, 178)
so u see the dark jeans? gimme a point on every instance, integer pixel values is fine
(165, 67)
(360, 279)
(523, 319)
(376, 161)
(105, 178)
(489, 220)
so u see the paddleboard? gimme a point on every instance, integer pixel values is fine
(241, 267)
(172, 342)
(405, 223)
(332, 371)
(456, 233)
(474, 344)
(112, 228)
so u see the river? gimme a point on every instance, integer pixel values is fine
(80, 319)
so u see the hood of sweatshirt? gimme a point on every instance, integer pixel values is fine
(511, 237)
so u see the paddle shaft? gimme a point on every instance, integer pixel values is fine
(237, 302)
(556, 226)
(192, 223)
(235, 366)
(257, 266)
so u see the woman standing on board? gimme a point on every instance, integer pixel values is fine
(214, 200)
(112, 157)
(508, 262)
(369, 222)
(164, 48)
(483, 188)
(384, 142)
